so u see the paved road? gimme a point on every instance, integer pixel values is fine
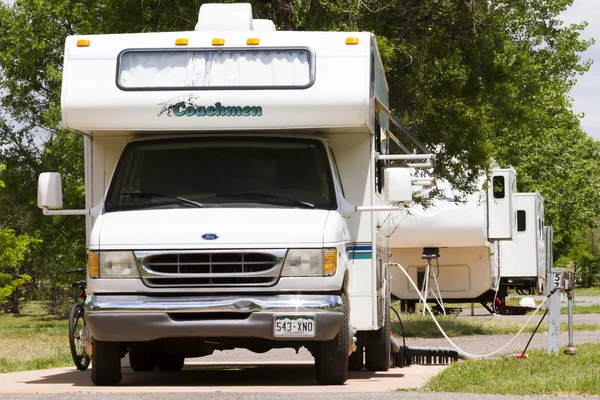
(213, 377)
(288, 396)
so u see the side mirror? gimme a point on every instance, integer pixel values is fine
(398, 186)
(49, 190)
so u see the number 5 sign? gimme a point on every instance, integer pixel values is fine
(557, 274)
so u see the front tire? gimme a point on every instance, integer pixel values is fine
(331, 359)
(106, 363)
(76, 324)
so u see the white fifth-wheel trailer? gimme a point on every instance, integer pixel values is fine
(471, 249)
(450, 247)
(237, 193)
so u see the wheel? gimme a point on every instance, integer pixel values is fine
(379, 351)
(331, 360)
(76, 324)
(169, 362)
(408, 306)
(142, 357)
(106, 363)
(356, 359)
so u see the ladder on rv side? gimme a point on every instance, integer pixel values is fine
(424, 162)
(423, 165)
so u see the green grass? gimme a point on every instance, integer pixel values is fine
(594, 309)
(33, 340)
(416, 325)
(594, 291)
(538, 375)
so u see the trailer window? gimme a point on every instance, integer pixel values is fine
(521, 221)
(229, 172)
(498, 187)
(169, 69)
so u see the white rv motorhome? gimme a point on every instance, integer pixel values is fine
(461, 241)
(235, 187)
(524, 259)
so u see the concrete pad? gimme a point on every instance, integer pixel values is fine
(218, 377)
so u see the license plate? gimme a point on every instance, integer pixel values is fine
(294, 326)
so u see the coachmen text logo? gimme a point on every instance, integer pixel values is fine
(189, 105)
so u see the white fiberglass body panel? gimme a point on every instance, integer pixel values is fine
(524, 257)
(444, 223)
(97, 97)
(236, 228)
(353, 155)
(462, 272)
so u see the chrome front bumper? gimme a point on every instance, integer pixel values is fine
(141, 318)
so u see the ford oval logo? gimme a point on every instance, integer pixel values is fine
(210, 236)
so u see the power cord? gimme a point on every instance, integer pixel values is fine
(534, 331)
(450, 340)
(401, 330)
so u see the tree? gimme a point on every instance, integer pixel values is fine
(13, 250)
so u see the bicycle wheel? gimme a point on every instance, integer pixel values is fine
(76, 324)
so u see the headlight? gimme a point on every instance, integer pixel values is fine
(310, 262)
(116, 264)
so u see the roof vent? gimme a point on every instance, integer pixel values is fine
(225, 17)
(263, 25)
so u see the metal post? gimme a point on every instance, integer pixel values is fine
(553, 279)
(569, 286)
(472, 309)
(553, 305)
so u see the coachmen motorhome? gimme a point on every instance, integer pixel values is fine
(450, 248)
(236, 181)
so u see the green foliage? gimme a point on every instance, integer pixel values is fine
(13, 249)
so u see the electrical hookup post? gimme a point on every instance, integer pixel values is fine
(553, 304)
(565, 282)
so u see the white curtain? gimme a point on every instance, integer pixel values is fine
(209, 69)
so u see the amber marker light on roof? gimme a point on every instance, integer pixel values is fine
(218, 42)
(352, 40)
(83, 43)
(181, 41)
(253, 41)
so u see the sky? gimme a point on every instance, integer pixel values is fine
(586, 93)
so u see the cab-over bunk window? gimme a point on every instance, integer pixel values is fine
(168, 69)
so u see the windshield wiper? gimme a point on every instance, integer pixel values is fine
(267, 195)
(156, 194)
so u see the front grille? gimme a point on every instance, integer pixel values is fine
(210, 269)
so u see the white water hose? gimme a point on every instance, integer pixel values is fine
(444, 333)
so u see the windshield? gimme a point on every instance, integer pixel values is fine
(222, 172)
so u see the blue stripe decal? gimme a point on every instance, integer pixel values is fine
(359, 251)
(359, 256)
